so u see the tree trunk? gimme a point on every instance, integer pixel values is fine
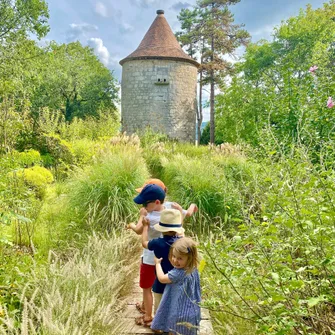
(68, 110)
(212, 98)
(199, 113)
(211, 115)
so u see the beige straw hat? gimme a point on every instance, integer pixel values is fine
(170, 220)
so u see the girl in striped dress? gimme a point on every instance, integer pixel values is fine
(179, 310)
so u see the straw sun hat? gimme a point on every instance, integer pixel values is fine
(170, 221)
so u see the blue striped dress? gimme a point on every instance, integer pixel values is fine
(179, 310)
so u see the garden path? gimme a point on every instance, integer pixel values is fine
(130, 313)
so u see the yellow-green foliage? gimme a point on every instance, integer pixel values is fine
(15, 159)
(84, 150)
(28, 157)
(36, 177)
(105, 125)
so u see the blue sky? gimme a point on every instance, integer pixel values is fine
(114, 28)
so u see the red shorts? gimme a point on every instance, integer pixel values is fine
(147, 275)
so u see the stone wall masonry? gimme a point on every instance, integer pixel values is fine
(168, 107)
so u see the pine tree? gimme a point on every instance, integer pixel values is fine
(210, 34)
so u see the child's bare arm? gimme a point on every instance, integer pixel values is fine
(191, 210)
(163, 278)
(175, 205)
(145, 238)
(138, 228)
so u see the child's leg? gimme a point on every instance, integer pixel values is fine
(157, 299)
(147, 299)
(147, 278)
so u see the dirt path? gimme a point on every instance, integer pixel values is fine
(130, 313)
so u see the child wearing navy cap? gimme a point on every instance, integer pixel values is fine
(152, 199)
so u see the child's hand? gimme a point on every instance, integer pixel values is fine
(176, 206)
(158, 260)
(145, 222)
(195, 208)
(130, 226)
(143, 212)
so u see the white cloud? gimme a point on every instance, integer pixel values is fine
(78, 30)
(83, 27)
(126, 28)
(101, 9)
(180, 5)
(144, 3)
(100, 50)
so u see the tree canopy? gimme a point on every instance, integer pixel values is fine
(283, 86)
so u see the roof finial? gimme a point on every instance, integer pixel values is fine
(160, 11)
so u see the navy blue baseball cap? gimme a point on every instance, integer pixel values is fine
(150, 192)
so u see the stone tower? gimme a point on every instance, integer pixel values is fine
(159, 85)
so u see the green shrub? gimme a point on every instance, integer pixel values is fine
(36, 177)
(83, 151)
(28, 158)
(57, 148)
(15, 265)
(57, 154)
(14, 159)
(278, 269)
(92, 128)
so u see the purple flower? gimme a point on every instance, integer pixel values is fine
(313, 68)
(330, 102)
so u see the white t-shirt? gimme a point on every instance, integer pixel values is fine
(154, 217)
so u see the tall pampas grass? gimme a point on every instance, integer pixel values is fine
(103, 193)
(79, 295)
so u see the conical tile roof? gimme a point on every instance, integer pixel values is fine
(159, 43)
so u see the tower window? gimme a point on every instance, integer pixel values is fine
(162, 81)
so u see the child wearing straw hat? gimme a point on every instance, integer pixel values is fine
(151, 197)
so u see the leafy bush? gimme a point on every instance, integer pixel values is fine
(15, 124)
(15, 265)
(279, 267)
(14, 159)
(36, 177)
(92, 128)
(83, 151)
(26, 158)
(56, 147)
